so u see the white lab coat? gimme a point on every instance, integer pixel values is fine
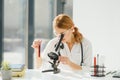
(74, 55)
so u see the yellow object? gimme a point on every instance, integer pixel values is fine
(18, 73)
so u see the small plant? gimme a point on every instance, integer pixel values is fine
(5, 66)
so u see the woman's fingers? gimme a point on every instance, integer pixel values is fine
(63, 59)
(36, 43)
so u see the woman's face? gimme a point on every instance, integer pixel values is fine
(67, 33)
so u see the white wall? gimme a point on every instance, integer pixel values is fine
(99, 21)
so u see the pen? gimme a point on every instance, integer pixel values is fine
(113, 72)
(108, 73)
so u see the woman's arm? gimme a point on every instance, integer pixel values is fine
(75, 66)
(87, 49)
(66, 61)
(36, 45)
(38, 59)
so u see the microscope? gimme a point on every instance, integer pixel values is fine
(54, 56)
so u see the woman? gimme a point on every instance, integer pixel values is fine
(74, 44)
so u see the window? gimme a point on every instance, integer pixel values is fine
(14, 30)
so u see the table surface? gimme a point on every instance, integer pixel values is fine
(36, 74)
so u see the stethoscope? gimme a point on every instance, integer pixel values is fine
(82, 61)
(62, 46)
(81, 54)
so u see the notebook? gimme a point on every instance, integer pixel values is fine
(17, 67)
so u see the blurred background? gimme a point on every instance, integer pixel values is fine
(22, 21)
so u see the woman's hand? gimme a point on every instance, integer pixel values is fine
(64, 60)
(36, 44)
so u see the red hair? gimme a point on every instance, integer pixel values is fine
(63, 21)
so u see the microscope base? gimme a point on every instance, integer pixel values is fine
(52, 70)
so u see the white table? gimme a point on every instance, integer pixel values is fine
(33, 74)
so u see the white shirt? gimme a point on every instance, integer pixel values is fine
(74, 55)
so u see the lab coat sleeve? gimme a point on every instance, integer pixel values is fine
(87, 56)
(49, 48)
